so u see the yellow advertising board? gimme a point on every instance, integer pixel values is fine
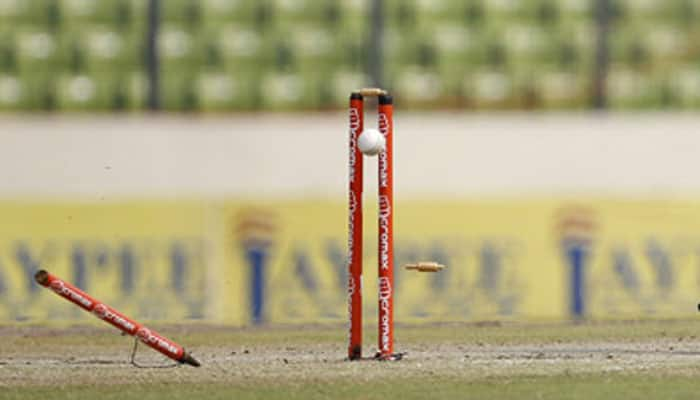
(244, 262)
(507, 259)
(151, 260)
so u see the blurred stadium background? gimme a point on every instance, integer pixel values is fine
(225, 55)
(186, 160)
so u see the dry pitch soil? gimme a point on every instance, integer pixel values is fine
(95, 355)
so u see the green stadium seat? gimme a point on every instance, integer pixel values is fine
(137, 89)
(187, 13)
(442, 9)
(214, 11)
(216, 90)
(94, 92)
(493, 53)
(293, 90)
(315, 47)
(666, 41)
(353, 54)
(119, 14)
(179, 91)
(454, 40)
(331, 14)
(630, 88)
(179, 45)
(99, 46)
(35, 49)
(282, 90)
(242, 45)
(525, 41)
(633, 9)
(576, 8)
(685, 12)
(685, 82)
(43, 14)
(38, 90)
(13, 92)
(474, 14)
(261, 15)
(490, 88)
(79, 92)
(8, 54)
(499, 9)
(401, 15)
(14, 10)
(228, 90)
(557, 88)
(420, 49)
(543, 13)
(417, 85)
(566, 51)
(296, 54)
(343, 82)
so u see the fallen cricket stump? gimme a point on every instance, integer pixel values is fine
(113, 317)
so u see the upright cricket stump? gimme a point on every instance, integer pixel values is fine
(385, 223)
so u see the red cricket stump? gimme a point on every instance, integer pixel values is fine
(355, 229)
(113, 317)
(386, 230)
(385, 223)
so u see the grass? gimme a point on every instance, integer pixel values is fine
(449, 333)
(600, 387)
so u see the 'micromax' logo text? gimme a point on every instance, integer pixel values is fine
(105, 313)
(149, 337)
(384, 222)
(384, 304)
(62, 289)
(384, 156)
(354, 128)
(351, 250)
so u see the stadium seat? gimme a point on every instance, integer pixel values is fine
(557, 88)
(35, 48)
(180, 46)
(417, 85)
(217, 90)
(215, 11)
(228, 89)
(259, 14)
(282, 90)
(43, 14)
(343, 82)
(179, 91)
(37, 90)
(184, 12)
(13, 92)
(576, 8)
(100, 46)
(630, 88)
(490, 88)
(8, 54)
(94, 92)
(119, 14)
(685, 81)
(482, 53)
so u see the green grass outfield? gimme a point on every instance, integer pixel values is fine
(552, 387)
(607, 360)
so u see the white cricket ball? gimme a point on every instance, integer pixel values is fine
(371, 142)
